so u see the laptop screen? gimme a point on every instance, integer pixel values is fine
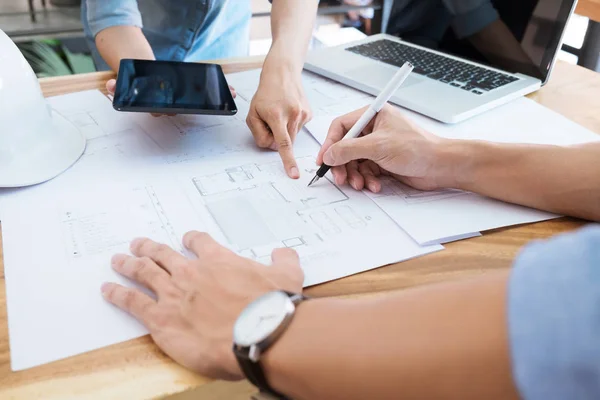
(512, 35)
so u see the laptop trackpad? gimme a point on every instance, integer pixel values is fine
(378, 76)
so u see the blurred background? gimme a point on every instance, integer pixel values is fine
(50, 35)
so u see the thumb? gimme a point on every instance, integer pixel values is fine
(348, 150)
(111, 85)
(287, 262)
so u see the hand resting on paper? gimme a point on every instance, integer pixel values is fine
(111, 85)
(198, 301)
(537, 176)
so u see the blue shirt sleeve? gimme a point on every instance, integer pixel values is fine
(554, 318)
(470, 16)
(102, 14)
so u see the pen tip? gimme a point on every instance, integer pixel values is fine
(316, 178)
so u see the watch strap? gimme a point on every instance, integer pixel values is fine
(254, 371)
(263, 396)
(255, 374)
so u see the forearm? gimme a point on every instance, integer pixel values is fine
(292, 23)
(439, 341)
(118, 42)
(564, 180)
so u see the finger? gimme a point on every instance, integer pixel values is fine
(202, 244)
(130, 300)
(284, 147)
(338, 129)
(287, 261)
(260, 131)
(371, 181)
(160, 253)
(374, 167)
(308, 116)
(305, 118)
(367, 147)
(233, 92)
(294, 123)
(340, 175)
(142, 270)
(299, 127)
(355, 179)
(111, 85)
(285, 257)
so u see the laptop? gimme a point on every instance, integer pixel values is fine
(455, 77)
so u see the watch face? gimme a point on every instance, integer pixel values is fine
(261, 318)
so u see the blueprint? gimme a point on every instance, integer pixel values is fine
(160, 178)
(447, 215)
(255, 208)
(55, 309)
(92, 113)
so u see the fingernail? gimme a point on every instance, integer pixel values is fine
(374, 187)
(353, 184)
(294, 173)
(104, 288)
(116, 261)
(135, 243)
(328, 158)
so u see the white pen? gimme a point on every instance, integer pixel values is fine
(373, 109)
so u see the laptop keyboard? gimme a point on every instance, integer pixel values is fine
(453, 72)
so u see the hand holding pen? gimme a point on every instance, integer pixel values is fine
(371, 111)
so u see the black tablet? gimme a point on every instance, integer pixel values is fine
(172, 87)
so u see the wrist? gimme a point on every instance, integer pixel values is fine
(282, 60)
(282, 361)
(459, 162)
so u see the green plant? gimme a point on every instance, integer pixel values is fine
(51, 58)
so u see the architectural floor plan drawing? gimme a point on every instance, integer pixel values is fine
(92, 113)
(255, 208)
(258, 208)
(160, 178)
(190, 138)
(108, 226)
(110, 155)
(410, 195)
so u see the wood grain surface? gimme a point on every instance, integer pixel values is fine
(589, 8)
(138, 370)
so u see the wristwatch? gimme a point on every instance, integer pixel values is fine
(257, 328)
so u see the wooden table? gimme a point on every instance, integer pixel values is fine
(589, 8)
(138, 370)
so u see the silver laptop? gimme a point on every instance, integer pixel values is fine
(455, 77)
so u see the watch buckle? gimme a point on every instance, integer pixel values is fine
(254, 353)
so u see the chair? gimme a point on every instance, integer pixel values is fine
(32, 9)
(589, 54)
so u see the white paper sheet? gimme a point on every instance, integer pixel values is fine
(324, 95)
(160, 178)
(92, 113)
(442, 216)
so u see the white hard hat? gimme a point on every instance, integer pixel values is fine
(36, 143)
